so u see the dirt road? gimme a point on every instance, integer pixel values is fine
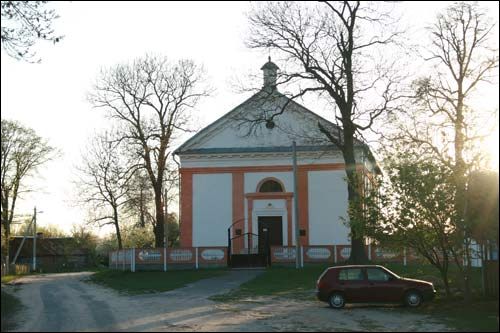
(64, 302)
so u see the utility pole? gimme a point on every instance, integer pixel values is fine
(34, 239)
(165, 235)
(296, 206)
(165, 229)
(28, 230)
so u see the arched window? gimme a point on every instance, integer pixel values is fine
(270, 185)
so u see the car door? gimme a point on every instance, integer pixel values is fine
(353, 282)
(382, 287)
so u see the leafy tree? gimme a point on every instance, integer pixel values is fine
(411, 208)
(482, 206)
(50, 230)
(23, 152)
(23, 24)
(442, 118)
(336, 49)
(83, 238)
(152, 99)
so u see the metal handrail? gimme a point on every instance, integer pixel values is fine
(237, 221)
(242, 235)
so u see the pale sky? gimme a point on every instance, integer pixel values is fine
(51, 97)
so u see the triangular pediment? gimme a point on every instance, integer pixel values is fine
(246, 127)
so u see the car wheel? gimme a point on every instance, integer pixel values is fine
(413, 299)
(336, 300)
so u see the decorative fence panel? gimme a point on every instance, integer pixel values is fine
(217, 256)
(315, 254)
(212, 255)
(379, 254)
(181, 256)
(343, 252)
(149, 256)
(176, 258)
(122, 259)
(283, 254)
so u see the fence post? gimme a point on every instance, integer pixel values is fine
(196, 251)
(302, 256)
(483, 254)
(334, 254)
(132, 260)
(229, 245)
(404, 256)
(164, 259)
(369, 251)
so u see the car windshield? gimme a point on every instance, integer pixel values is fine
(323, 274)
(391, 272)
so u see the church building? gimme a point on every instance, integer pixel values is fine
(237, 180)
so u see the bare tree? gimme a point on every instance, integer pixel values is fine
(23, 24)
(103, 181)
(151, 98)
(336, 50)
(140, 197)
(23, 152)
(463, 59)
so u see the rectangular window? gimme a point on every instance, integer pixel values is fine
(376, 274)
(351, 274)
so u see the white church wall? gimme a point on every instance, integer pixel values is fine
(212, 208)
(327, 203)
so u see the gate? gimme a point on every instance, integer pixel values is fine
(490, 278)
(244, 250)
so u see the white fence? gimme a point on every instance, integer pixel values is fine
(163, 258)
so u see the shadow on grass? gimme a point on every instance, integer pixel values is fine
(478, 315)
(10, 306)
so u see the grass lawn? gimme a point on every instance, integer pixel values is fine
(10, 278)
(278, 281)
(478, 315)
(10, 305)
(150, 282)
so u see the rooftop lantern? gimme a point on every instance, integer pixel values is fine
(270, 74)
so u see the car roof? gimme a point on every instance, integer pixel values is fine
(357, 266)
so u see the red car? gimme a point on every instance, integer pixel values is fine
(370, 283)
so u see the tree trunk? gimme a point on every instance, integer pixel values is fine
(142, 220)
(117, 227)
(160, 218)
(7, 251)
(444, 277)
(466, 273)
(460, 183)
(358, 254)
(6, 225)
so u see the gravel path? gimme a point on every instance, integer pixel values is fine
(65, 302)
